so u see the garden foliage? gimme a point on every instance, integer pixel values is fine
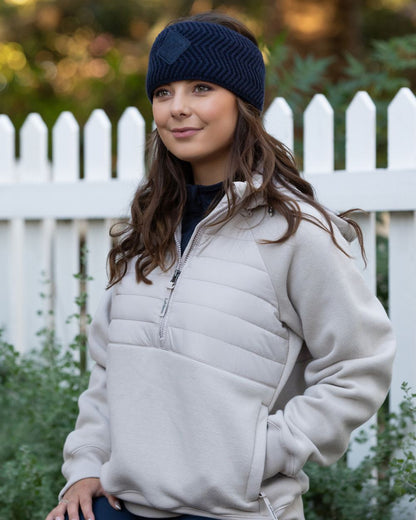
(388, 66)
(38, 408)
(383, 483)
(39, 391)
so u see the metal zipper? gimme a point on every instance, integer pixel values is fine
(269, 506)
(170, 287)
(172, 282)
(179, 268)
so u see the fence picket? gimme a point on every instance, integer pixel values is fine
(361, 134)
(278, 121)
(97, 168)
(15, 328)
(65, 168)
(33, 164)
(97, 136)
(402, 256)
(361, 156)
(65, 149)
(37, 278)
(318, 121)
(7, 151)
(66, 286)
(7, 175)
(28, 194)
(402, 245)
(33, 238)
(131, 138)
(5, 267)
(98, 245)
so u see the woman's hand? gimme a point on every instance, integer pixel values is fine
(80, 495)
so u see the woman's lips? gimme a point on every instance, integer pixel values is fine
(181, 133)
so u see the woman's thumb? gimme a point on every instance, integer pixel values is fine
(114, 502)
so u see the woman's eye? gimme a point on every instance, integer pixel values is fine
(161, 92)
(202, 88)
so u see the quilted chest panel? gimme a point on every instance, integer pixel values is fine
(222, 311)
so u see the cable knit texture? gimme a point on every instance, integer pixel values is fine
(198, 200)
(208, 52)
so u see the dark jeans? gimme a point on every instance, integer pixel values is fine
(103, 511)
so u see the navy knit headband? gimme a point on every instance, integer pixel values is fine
(211, 52)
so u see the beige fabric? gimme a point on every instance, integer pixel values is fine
(208, 393)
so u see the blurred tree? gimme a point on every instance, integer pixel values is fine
(325, 27)
(78, 55)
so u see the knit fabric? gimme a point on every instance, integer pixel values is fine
(209, 52)
(198, 201)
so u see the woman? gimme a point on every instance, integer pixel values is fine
(237, 340)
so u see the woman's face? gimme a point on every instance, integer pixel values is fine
(196, 122)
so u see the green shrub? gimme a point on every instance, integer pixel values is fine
(38, 407)
(381, 484)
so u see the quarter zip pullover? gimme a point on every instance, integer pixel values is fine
(267, 356)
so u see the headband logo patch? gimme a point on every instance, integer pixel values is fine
(172, 47)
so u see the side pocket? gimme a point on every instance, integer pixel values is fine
(255, 477)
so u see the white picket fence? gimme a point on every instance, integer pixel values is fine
(45, 207)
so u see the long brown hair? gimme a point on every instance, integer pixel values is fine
(158, 204)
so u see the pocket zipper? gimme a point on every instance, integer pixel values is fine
(269, 506)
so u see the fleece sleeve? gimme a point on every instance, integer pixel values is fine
(88, 446)
(324, 298)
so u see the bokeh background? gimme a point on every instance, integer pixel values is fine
(79, 55)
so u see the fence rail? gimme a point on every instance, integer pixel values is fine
(45, 207)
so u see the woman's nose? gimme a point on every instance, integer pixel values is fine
(180, 106)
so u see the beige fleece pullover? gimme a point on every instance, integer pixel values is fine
(213, 386)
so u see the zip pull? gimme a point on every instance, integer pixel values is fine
(174, 279)
(164, 307)
(171, 286)
(269, 506)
